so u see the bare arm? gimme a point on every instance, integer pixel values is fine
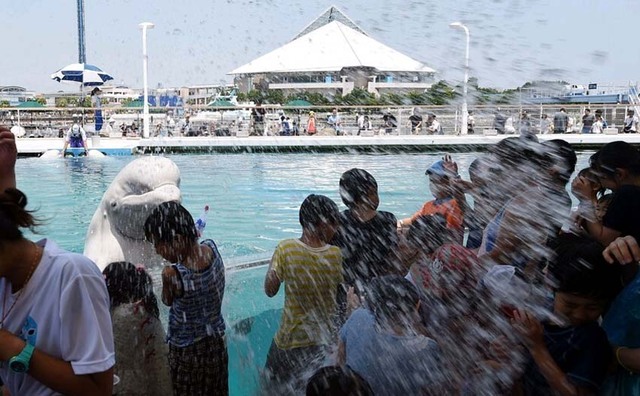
(271, 281)
(342, 353)
(532, 332)
(8, 155)
(171, 285)
(55, 373)
(629, 358)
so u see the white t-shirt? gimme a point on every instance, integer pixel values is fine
(63, 311)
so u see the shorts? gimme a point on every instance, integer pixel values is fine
(200, 369)
(287, 370)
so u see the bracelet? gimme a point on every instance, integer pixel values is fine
(618, 349)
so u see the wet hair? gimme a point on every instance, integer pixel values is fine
(615, 155)
(167, 221)
(579, 268)
(355, 185)
(428, 232)
(317, 210)
(392, 299)
(14, 216)
(514, 152)
(337, 381)
(564, 155)
(127, 283)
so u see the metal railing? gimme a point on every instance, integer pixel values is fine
(237, 121)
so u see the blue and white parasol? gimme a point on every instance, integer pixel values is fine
(83, 73)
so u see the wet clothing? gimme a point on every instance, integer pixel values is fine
(581, 352)
(286, 368)
(447, 207)
(623, 214)
(366, 246)
(311, 277)
(197, 347)
(196, 314)
(622, 325)
(391, 364)
(63, 311)
(200, 369)
(141, 351)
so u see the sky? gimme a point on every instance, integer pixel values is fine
(200, 41)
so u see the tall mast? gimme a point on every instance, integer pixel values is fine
(81, 51)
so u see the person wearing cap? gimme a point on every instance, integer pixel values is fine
(441, 177)
(76, 137)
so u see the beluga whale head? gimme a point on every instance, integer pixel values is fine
(116, 230)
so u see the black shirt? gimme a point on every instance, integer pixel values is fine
(623, 214)
(366, 246)
(582, 353)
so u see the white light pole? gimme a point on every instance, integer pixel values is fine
(465, 112)
(145, 66)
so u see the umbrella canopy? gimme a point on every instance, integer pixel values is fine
(221, 103)
(83, 73)
(30, 104)
(299, 103)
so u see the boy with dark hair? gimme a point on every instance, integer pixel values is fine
(193, 288)
(569, 353)
(444, 203)
(311, 270)
(367, 237)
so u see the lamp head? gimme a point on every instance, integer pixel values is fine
(456, 25)
(146, 25)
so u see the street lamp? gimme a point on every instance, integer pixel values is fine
(465, 112)
(145, 66)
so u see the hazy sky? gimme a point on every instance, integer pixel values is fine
(199, 41)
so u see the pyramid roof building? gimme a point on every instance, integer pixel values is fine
(334, 46)
(330, 43)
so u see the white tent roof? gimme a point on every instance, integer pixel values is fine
(331, 48)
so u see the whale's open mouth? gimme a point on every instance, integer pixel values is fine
(131, 212)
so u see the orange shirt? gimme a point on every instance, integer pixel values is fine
(447, 207)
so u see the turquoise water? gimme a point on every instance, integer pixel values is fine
(254, 200)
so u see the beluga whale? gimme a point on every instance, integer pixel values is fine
(116, 231)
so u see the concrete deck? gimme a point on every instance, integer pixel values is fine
(403, 143)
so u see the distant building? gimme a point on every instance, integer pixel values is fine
(15, 95)
(332, 56)
(203, 94)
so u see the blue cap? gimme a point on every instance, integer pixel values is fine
(437, 169)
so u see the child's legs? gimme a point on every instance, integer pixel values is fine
(288, 369)
(201, 368)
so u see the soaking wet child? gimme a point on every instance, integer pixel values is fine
(444, 203)
(569, 352)
(193, 288)
(141, 351)
(311, 271)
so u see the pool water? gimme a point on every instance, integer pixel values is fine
(254, 201)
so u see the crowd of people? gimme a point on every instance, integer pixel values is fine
(534, 299)
(494, 286)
